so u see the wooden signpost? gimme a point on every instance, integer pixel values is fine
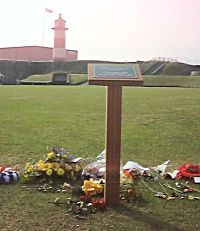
(114, 76)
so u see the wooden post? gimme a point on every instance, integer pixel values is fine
(114, 76)
(113, 144)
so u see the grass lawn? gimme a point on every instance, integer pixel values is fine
(158, 124)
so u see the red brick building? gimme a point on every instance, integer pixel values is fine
(33, 53)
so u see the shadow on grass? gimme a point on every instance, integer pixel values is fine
(153, 222)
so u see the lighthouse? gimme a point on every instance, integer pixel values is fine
(59, 50)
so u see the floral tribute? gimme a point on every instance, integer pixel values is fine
(92, 187)
(58, 163)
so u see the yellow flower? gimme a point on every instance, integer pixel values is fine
(77, 168)
(92, 187)
(81, 164)
(60, 172)
(29, 168)
(42, 166)
(49, 165)
(55, 166)
(64, 156)
(51, 155)
(68, 167)
(27, 165)
(72, 174)
(49, 172)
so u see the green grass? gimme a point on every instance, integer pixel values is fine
(149, 80)
(73, 78)
(77, 78)
(43, 77)
(171, 81)
(157, 124)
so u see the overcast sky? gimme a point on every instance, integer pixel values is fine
(110, 30)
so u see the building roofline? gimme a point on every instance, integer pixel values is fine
(33, 46)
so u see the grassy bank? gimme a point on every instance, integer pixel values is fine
(171, 81)
(158, 124)
(77, 78)
(47, 78)
(149, 80)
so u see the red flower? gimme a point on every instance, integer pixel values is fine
(100, 203)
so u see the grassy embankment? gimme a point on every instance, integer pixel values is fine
(157, 124)
(149, 80)
(171, 81)
(47, 78)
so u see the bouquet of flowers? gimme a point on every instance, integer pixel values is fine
(58, 163)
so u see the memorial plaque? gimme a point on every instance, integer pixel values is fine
(123, 74)
(114, 71)
(114, 76)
